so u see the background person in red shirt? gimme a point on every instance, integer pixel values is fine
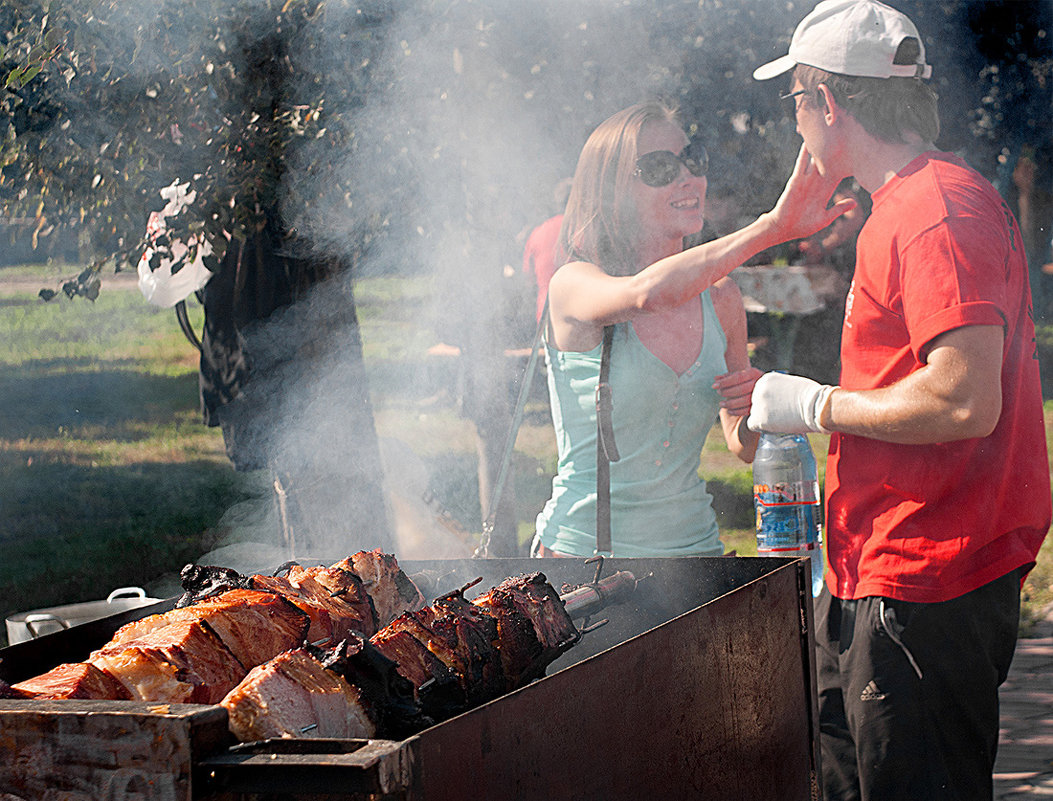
(543, 254)
(937, 484)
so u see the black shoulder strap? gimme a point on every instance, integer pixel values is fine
(510, 442)
(184, 324)
(606, 450)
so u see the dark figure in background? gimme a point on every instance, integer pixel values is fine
(1032, 196)
(543, 254)
(937, 482)
(251, 284)
(281, 335)
(835, 246)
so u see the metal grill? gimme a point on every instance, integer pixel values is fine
(702, 686)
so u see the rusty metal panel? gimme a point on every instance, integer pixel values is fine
(711, 705)
(91, 750)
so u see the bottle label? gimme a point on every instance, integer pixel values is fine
(788, 517)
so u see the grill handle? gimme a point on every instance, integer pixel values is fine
(589, 599)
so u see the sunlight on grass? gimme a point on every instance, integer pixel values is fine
(177, 442)
(117, 328)
(107, 475)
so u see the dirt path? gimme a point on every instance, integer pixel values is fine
(11, 283)
(1024, 767)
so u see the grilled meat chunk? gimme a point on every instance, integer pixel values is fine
(532, 596)
(415, 662)
(335, 599)
(457, 653)
(390, 696)
(392, 591)
(454, 641)
(472, 633)
(347, 591)
(317, 606)
(523, 658)
(436, 688)
(293, 695)
(72, 680)
(255, 626)
(182, 662)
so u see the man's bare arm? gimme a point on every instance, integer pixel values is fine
(956, 395)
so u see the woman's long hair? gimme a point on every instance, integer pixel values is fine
(599, 225)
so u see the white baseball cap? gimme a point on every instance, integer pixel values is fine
(851, 37)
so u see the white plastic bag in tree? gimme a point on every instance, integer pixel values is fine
(162, 287)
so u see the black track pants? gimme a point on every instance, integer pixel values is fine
(908, 693)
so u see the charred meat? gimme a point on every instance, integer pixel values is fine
(390, 696)
(206, 581)
(435, 686)
(457, 653)
(7, 691)
(532, 598)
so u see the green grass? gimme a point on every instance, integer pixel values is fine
(108, 478)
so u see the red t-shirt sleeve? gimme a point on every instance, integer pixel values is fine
(951, 277)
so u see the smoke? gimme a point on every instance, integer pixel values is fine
(473, 113)
(476, 111)
(447, 125)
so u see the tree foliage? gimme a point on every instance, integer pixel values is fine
(439, 121)
(106, 103)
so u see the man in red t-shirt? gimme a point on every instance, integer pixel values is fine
(937, 482)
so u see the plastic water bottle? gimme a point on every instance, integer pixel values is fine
(786, 499)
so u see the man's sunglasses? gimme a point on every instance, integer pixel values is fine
(661, 167)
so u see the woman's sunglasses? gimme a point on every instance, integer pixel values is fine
(661, 167)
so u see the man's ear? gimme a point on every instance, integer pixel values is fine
(831, 110)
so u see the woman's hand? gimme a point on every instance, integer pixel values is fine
(801, 210)
(736, 390)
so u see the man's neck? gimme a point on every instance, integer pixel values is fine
(876, 161)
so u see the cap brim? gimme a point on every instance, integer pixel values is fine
(773, 69)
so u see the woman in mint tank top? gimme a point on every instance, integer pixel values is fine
(678, 359)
